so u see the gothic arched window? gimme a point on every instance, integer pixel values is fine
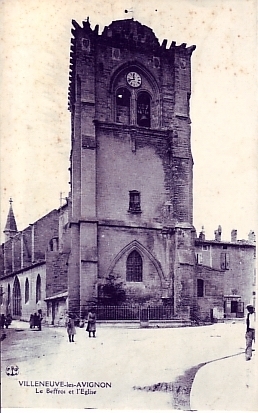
(27, 290)
(17, 297)
(143, 110)
(123, 98)
(38, 289)
(134, 267)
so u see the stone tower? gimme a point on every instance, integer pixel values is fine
(131, 166)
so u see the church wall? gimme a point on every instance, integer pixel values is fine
(120, 170)
(31, 306)
(56, 273)
(116, 243)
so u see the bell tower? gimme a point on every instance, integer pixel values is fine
(131, 166)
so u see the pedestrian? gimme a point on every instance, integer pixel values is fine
(2, 320)
(31, 321)
(8, 320)
(250, 331)
(91, 324)
(70, 327)
(36, 320)
(40, 318)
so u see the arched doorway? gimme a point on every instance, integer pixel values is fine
(17, 298)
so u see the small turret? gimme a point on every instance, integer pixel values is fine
(10, 227)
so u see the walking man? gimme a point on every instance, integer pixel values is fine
(250, 332)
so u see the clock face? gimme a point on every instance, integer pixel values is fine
(134, 79)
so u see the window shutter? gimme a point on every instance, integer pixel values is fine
(227, 260)
(222, 261)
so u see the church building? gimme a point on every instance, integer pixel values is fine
(125, 236)
(131, 166)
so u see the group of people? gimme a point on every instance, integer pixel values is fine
(91, 325)
(6, 320)
(36, 320)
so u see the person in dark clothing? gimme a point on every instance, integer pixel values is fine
(70, 327)
(35, 320)
(8, 320)
(91, 325)
(40, 318)
(31, 321)
(2, 320)
(250, 332)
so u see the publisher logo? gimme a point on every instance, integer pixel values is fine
(12, 370)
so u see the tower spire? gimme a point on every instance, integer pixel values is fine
(10, 226)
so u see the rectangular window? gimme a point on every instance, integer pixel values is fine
(205, 247)
(134, 202)
(200, 288)
(199, 258)
(224, 261)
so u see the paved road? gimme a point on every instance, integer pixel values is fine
(134, 368)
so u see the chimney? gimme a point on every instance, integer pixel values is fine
(234, 235)
(217, 233)
(251, 237)
(202, 234)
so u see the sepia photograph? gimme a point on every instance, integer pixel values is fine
(129, 199)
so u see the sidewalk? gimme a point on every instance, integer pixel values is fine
(227, 384)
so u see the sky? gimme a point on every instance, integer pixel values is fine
(35, 122)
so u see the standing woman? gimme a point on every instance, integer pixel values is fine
(70, 328)
(91, 325)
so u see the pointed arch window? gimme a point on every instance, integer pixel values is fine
(16, 297)
(27, 290)
(123, 99)
(143, 110)
(134, 267)
(38, 289)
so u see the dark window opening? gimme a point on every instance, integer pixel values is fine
(38, 289)
(17, 311)
(134, 202)
(27, 290)
(234, 306)
(200, 288)
(143, 109)
(123, 97)
(134, 267)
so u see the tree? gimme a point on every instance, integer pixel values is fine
(111, 292)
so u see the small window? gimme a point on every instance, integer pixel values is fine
(199, 258)
(200, 287)
(134, 267)
(134, 202)
(205, 247)
(123, 97)
(27, 290)
(143, 109)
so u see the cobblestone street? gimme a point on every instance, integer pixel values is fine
(181, 368)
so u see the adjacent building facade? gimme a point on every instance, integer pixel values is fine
(129, 216)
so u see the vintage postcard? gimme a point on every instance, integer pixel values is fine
(128, 205)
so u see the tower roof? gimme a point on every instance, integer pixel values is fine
(10, 226)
